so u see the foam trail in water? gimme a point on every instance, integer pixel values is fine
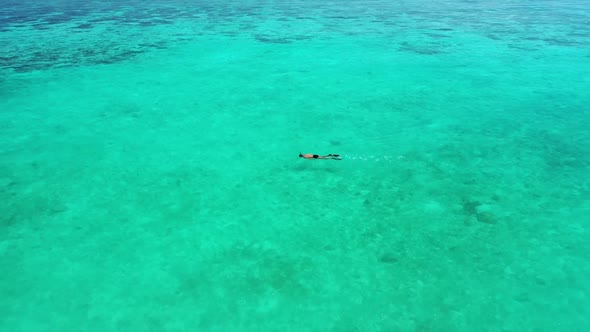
(373, 158)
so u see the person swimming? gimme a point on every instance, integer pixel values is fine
(315, 156)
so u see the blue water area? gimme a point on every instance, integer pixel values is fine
(150, 177)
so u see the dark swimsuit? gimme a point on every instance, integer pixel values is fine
(315, 156)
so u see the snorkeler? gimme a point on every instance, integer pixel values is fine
(315, 156)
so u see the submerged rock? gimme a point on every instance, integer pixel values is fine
(484, 213)
(481, 211)
(486, 217)
(388, 258)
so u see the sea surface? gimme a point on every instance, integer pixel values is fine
(150, 179)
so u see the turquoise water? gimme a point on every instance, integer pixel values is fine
(149, 178)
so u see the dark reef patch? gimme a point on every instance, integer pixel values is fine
(104, 19)
(273, 40)
(301, 37)
(54, 58)
(25, 68)
(242, 18)
(522, 47)
(158, 45)
(147, 23)
(84, 26)
(443, 29)
(339, 17)
(422, 49)
(41, 27)
(7, 59)
(15, 19)
(563, 42)
(57, 19)
(470, 206)
(437, 35)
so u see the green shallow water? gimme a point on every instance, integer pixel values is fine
(149, 178)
